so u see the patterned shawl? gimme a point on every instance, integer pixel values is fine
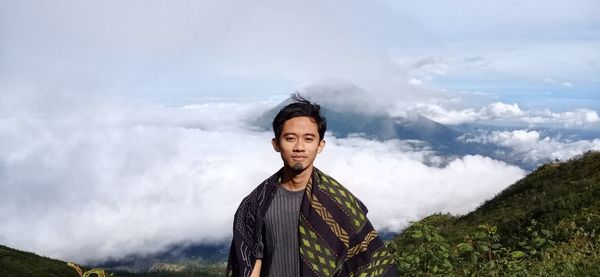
(335, 236)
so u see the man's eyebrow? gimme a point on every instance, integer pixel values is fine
(294, 134)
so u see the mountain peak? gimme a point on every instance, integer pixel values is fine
(343, 96)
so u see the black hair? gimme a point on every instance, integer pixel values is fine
(300, 107)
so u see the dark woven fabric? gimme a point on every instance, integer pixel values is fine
(248, 228)
(335, 237)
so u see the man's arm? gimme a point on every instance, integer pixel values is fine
(256, 268)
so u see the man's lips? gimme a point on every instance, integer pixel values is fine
(298, 158)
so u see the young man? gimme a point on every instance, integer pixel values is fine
(300, 221)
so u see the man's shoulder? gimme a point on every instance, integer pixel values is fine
(331, 186)
(260, 191)
(328, 181)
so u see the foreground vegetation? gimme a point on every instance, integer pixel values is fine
(546, 224)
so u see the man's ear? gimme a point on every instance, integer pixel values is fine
(275, 143)
(321, 146)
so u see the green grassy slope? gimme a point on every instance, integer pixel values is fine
(19, 263)
(545, 224)
(551, 193)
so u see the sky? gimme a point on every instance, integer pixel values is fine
(125, 126)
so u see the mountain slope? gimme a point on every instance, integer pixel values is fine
(549, 194)
(545, 224)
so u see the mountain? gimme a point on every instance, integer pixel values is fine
(545, 224)
(373, 125)
(442, 139)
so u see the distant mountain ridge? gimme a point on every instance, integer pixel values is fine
(442, 139)
(193, 255)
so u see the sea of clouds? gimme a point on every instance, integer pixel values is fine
(135, 178)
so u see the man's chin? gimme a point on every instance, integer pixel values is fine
(298, 167)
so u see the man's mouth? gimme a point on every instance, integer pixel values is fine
(298, 158)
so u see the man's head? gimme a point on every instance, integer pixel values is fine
(299, 129)
(300, 107)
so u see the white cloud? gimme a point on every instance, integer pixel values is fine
(502, 110)
(342, 95)
(533, 147)
(427, 67)
(499, 111)
(150, 47)
(567, 84)
(576, 117)
(398, 187)
(134, 179)
(442, 115)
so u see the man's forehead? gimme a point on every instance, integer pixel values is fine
(303, 125)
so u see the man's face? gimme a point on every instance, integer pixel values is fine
(299, 143)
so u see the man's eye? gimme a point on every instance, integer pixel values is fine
(289, 139)
(309, 139)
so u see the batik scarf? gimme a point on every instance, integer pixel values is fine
(335, 236)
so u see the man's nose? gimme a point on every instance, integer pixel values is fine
(299, 146)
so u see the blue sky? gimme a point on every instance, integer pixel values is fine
(140, 106)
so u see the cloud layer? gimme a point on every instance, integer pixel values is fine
(136, 178)
(499, 112)
(533, 146)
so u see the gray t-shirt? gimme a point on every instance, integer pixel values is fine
(282, 251)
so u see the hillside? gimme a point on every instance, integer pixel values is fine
(551, 193)
(545, 224)
(19, 263)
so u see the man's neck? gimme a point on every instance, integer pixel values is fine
(293, 180)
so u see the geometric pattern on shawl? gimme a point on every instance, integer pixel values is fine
(335, 236)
